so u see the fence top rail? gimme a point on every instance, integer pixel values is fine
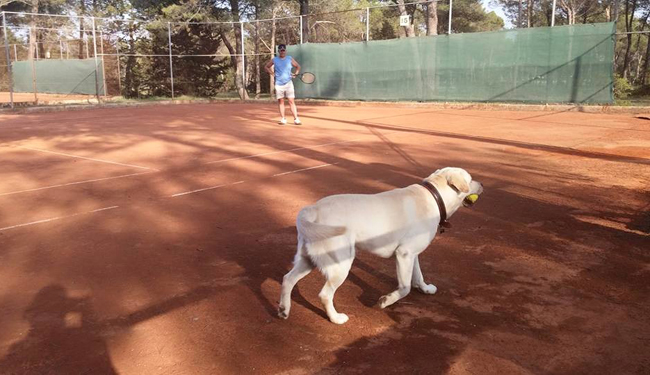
(221, 22)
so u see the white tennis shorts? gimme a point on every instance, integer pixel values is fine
(285, 91)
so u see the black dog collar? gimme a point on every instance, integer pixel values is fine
(441, 204)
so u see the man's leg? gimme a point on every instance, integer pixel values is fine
(294, 110)
(281, 105)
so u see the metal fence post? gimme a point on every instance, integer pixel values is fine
(31, 58)
(119, 72)
(553, 14)
(96, 60)
(451, 5)
(301, 29)
(15, 53)
(171, 64)
(8, 54)
(367, 24)
(243, 60)
(101, 52)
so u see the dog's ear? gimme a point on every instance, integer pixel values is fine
(438, 180)
(458, 182)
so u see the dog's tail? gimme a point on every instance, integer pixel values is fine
(312, 231)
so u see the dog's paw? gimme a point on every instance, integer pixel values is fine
(428, 289)
(384, 302)
(283, 312)
(339, 318)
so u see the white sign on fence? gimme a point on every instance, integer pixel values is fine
(404, 20)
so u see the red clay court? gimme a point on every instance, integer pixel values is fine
(153, 240)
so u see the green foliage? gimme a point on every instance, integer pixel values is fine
(468, 16)
(622, 88)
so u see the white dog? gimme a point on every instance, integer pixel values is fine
(401, 222)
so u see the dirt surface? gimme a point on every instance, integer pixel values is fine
(154, 241)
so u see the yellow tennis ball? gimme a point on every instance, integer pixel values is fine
(472, 198)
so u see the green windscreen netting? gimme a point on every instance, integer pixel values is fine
(548, 65)
(58, 76)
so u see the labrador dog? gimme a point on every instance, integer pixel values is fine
(400, 222)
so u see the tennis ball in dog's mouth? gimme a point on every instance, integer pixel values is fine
(472, 198)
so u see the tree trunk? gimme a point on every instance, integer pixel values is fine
(626, 58)
(409, 30)
(629, 19)
(240, 79)
(529, 13)
(304, 12)
(32, 31)
(81, 28)
(645, 63)
(432, 18)
(637, 55)
(129, 81)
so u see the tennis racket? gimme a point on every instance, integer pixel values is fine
(307, 78)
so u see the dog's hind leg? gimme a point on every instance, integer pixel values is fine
(301, 268)
(405, 261)
(418, 279)
(335, 275)
(335, 261)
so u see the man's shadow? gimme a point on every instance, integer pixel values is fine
(63, 338)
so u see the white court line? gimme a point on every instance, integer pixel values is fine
(75, 183)
(173, 196)
(58, 218)
(85, 158)
(303, 169)
(208, 188)
(241, 182)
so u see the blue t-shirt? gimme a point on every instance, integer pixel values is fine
(282, 70)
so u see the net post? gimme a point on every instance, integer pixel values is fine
(300, 29)
(243, 60)
(553, 14)
(96, 60)
(60, 49)
(8, 54)
(367, 24)
(171, 64)
(15, 53)
(451, 5)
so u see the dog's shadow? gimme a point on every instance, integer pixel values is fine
(298, 298)
(370, 295)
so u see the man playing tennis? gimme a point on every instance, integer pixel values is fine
(283, 65)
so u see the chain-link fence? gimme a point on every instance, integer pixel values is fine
(59, 58)
(105, 58)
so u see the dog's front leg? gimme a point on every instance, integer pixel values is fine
(418, 279)
(405, 260)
